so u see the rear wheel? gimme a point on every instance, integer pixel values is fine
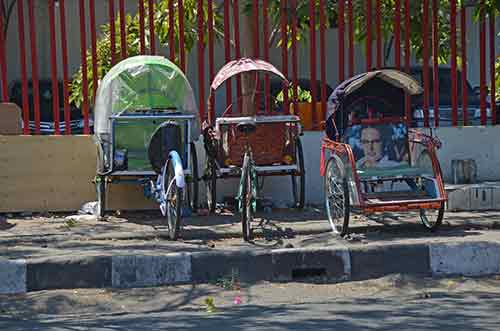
(172, 195)
(337, 200)
(299, 180)
(211, 185)
(192, 184)
(432, 218)
(246, 200)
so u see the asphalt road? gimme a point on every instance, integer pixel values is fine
(391, 303)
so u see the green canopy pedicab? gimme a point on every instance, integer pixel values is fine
(145, 123)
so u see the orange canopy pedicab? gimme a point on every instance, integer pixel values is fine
(371, 161)
(269, 138)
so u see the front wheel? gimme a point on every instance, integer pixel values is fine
(100, 183)
(211, 185)
(337, 200)
(192, 183)
(171, 194)
(246, 200)
(432, 218)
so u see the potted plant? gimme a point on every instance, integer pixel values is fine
(305, 109)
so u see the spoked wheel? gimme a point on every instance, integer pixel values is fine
(171, 204)
(211, 185)
(337, 196)
(192, 183)
(246, 201)
(100, 183)
(432, 218)
(299, 181)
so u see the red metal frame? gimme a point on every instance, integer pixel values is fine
(492, 70)
(378, 27)
(123, 32)
(236, 21)
(351, 37)
(152, 44)
(64, 56)
(34, 65)
(435, 61)
(182, 50)
(24, 74)
(368, 17)
(201, 63)
(482, 65)
(397, 34)
(3, 63)
(463, 30)
(83, 53)
(284, 54)
(142, 36)
(294, 54)
(453, 40)
(112, 27)
(227, 50)
(93, 41)
(425, 66)
(211, 70)
(171, 27)
(265, 30)
(312, 52)
(407, 57)
(341, 32)
(322, 59)
(53, 67)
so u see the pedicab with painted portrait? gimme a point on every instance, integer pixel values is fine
(371, 160)
(145, 123)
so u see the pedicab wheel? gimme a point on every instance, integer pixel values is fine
(246, 198)
(211, 185)
(100, 183)
(299, 184)
(172, 194)
(192, 184)
(432, 218)
(337, 200)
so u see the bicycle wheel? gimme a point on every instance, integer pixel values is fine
(337, 196)
(211, 185)
(246, 199)
(299, 184)
(172, 195)
(432, 218)
(192, 183)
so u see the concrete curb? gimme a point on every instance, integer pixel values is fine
(337, 264)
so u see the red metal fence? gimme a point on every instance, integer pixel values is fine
(286, 27)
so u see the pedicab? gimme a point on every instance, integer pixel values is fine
(251, 146)
(371, 161)
(145, 124)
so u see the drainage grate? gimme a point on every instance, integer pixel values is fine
(304, 273)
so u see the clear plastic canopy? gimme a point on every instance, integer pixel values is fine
(142, 83)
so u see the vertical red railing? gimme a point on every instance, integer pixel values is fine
(64, 56)
(142, 28)
(341, 32)
(256, 47)
(83, 52)
(182, 50)
(425, 55)
(151, 11)
(53, 67)
(463, 31)
(236, 20)
(112, 28)
(201, 62)
(368, 35)
(211, 70)
(265, 25)
(492, 69)
(93, 43)
(34, 65)
(171, 30)
(453, 40)
(378, 27)
(435, 62)
(407, 58)
(350, 20)
(295, 66)
(24, 74)
(123, 32)
(322, 59)
(312, 54)
(227, 52)
(482, 64)
(284, 53)
(3, 61)
(397, 34)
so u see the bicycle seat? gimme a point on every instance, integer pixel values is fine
(246, 127)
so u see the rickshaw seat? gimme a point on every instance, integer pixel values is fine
(247, 127)
(403, 171)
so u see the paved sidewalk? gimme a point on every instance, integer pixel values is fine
(130, 250)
